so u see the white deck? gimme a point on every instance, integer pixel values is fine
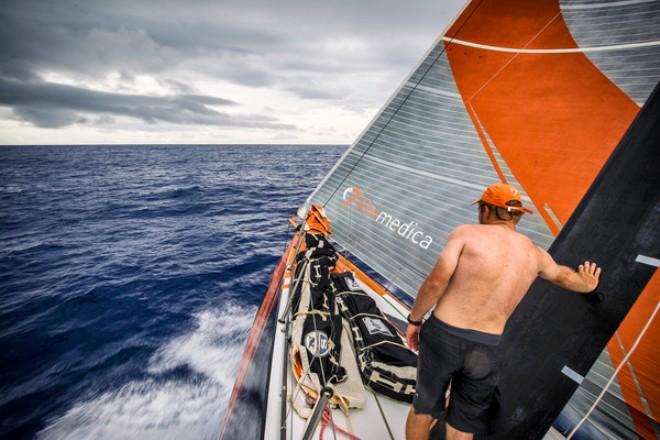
(365, 423)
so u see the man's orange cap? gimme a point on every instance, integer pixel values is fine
(498, 194)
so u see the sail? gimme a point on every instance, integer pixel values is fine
(412, 176)
(535, 94)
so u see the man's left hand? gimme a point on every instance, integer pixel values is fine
(412, 336)
(589, 274)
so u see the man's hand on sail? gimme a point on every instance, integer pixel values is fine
(585, 280)
(590, 274)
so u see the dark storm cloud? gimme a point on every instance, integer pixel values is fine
(56, 105)
(286, 45)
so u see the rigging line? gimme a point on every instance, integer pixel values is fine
(287, 332)
(332, 334)
(311, 299)
(332, 422)
(302, 377)
(366, 150)
(285, 240)
(608, 4)
(618, 368)
(382, 414)
(289, 304)
(285, 377)
(297, 390)
(511, 59)
(319, 359)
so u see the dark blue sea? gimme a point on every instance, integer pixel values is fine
(129, 278)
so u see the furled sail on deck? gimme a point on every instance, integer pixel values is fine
(535, 94)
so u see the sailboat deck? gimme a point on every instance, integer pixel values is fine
(364, 423)
(380, 418)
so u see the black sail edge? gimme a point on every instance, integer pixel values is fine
(617, 220)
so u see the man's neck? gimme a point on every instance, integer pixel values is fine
(504, 223)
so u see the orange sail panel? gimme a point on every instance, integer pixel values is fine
(554, 118)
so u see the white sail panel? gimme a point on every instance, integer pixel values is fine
(411, 178)
(621, 24)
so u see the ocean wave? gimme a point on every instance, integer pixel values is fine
(129, 278)
(11, 189)
(160, 407)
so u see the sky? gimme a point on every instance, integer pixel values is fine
(202, 71)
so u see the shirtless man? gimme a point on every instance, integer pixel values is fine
(480, 277)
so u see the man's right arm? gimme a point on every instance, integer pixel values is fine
(585, 280)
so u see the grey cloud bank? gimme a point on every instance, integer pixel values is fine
(312, 53)
(55, 105)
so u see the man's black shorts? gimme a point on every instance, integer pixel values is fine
(471, 361)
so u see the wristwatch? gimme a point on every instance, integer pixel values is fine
(413, 322)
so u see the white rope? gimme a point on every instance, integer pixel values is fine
(618, 368)
(332, 421)
(351, 293)
(368, 315)
(299, 386)
(320, 361)
(318, 312)
(376, 344)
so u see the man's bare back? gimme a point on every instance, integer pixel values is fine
(495, 268)
(485, 270)
(478, 280)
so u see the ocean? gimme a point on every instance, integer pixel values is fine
(129, 278)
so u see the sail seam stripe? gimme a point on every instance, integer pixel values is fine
(605, 5)
(618, 368)
(541, 236)
(426, 174)
(467, 172)
(439, 92)
(485, 143)
(433, 162)
(503, 168)
(553, 216)
(605, 405)
(633, 375)
(429, 134)
(553, 51)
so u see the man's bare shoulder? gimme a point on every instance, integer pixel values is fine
(479, 231)
(462, 231)
(465, 228)
(471, 230)
(525, 239)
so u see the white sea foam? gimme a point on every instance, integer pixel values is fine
(12, 189)
(153, 409)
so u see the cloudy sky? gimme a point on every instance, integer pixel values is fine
(205, 71)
